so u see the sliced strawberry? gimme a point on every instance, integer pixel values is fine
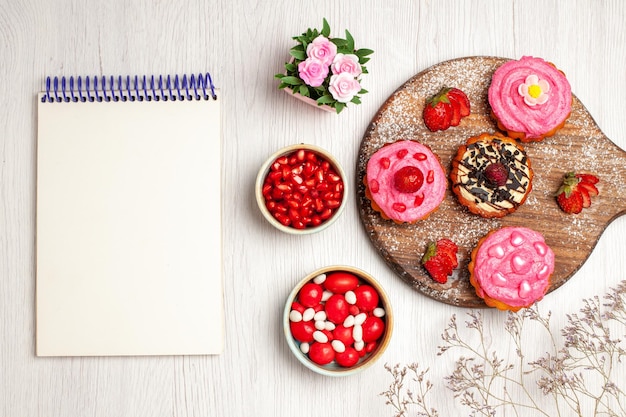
(585, 196)
(447, 244)
(591, 189)
(456, 113)
(440, 259)
(436, 270)
(458, 96)
(588, 178)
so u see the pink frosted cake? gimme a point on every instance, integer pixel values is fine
(511, 268)
(530, 98)
(405, 181)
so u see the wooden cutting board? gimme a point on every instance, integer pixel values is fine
(579, 146)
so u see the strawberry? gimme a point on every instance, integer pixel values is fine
(457, 96)
(440, 259)
(445, 109)
(576, 191)
(408, 179)
(497, 174)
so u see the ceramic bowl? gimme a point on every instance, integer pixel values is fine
(333, 368)
(287, 225)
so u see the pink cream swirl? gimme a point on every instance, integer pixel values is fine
(509, 106)
(403, 206)
(513, 265)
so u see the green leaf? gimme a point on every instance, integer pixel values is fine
(290, 67)
(363, 60)
(292, 80)
(304, 91)
(363, 91)
(339, 107)
(282, 85)
(363, 52)
(299, 55)
(325, 99)
(340, 43)
(349, 42)
(325, 28)
(356, 100)
(279, 76)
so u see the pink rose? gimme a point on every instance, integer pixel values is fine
(346, 63)
(343, 87)
(312, 71)
(323, 49)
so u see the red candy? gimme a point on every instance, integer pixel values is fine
(302, 190)
(321, 353)
(310, 294)
(337, 308)
(373, 328)
(325, 338)
(347, 358)
(302, 331)
(340, 282)
(366, 297)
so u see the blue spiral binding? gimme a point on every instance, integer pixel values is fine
(102, 89)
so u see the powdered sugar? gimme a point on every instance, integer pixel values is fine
(579, 146)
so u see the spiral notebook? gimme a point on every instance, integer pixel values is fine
(128, 217)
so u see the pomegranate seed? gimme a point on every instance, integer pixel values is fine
(310, 182)
(402, 153)
(333, 177)
(282, 160)
(306, 201)
(275, 176)
(316, 220)
(271, 205)
(286, 171)
(325, 165)
(284, 220)
(293, 160)
(430, 177)
(328, 196)
(333, 204)
(419, 199)
(267, 189)
(280, 208)
(297, 224)
(275, 166)
(300, 155)
(326, 214)
(277, 194)
(293, 215)
(319, 205)
(305, 212)
(310, 156)
(385, 162)
(323, 187)
(319, 175)
(293, 204)
(399, 207)
(297, 179)
(374, 186)
(420, 156)
(297, 170)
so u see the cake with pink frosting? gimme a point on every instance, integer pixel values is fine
(510, 268)
(530, 98)
(405, 181)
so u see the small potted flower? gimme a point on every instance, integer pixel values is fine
(325, 71)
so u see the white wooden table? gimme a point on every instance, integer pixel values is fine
(244, 43)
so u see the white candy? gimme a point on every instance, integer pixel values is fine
(338, 346)
(357, 333)
(350, 297)
(320, 337)
(295, 316)
(358, 346)
(320, 324)
(378, 312)
(308, 314)
(326, 295)
(304, 348)
(349, 321)
(360, 319)
(330, 326)
(319, 279)
(320, 315)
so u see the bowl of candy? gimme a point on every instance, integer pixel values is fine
(338, 321)
(301, 189)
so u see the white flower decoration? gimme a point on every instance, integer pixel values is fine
(534, 90)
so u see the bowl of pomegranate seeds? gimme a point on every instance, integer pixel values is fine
(301, 189)
(338, 321)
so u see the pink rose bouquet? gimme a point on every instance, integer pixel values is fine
(325, 69)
